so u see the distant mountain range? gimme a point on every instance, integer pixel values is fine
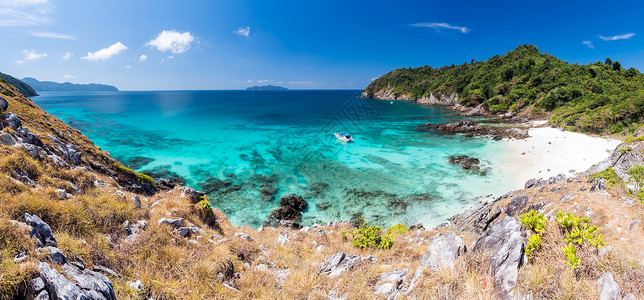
(50, 86)
(266, 88)
(21, 86)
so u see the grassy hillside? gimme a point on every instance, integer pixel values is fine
(24, 88)
(601, 97)
(102, 221)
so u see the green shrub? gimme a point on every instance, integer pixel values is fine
(367, 236)
(633, 139)
(571, 255)
(534, 221)
(534, 244)
(145, 178)
(609, 174)
(637, 175)
(626, 149)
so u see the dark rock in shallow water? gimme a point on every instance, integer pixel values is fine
(138, 161)
(290, 211)
(267, 192)
(468, 163)
(296, 202)
(471, 128)
(324, 205)
(165, 177)
(212, 185)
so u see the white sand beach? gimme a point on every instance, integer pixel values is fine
(550, 151)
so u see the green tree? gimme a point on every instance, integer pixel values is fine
(617, 66)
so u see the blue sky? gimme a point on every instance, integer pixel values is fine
(170, 45)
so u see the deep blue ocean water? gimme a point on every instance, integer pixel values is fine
(242, 142)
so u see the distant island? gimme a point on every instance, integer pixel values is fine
(50, 86)
(21, 86)
(266, 88)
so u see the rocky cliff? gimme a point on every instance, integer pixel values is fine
(76, 224)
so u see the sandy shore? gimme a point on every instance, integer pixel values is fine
(550, 151)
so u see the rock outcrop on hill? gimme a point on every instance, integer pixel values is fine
(81, 226)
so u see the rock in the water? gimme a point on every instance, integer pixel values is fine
(504, 242)
(608, 288)
(176, 223)
(390, 282)
(41, 231)
(468, 163)
(289, 211)
(516, 205)
(443, 250)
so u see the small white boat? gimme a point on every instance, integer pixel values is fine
(343, 137)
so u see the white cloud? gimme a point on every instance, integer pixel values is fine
(171, 40)
(143, 57)
(171, 57)
(439, 26)
(67, 76)
(32, 54)
(372, 79)
(243, 31)
(20, 61)
(105, 53)
(66, 56)
(128, 67)
(617, 37)
(24, 12)
(53, 35)
(588, 44)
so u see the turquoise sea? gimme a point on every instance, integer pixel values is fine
(236, 143)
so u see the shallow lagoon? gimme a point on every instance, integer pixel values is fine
(237, 143)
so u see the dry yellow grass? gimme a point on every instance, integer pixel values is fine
(89, 226)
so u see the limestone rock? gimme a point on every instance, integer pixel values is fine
(176, 223)
(7, 139)
(476, 219)
(443, 250)
(4, 105)
(10, 120)
(57, 285)
(516, 204)
(192, 194)
(137, 201)
(54, 254)
(244, 236)
(339, 263)
(630, 296)
(389, 283)
(608, 288)
(41, 231)
(504, 242)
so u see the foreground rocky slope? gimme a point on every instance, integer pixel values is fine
(75, 224)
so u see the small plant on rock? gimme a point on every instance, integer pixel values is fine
(534, 244)
(367, 236)
(534, 221)
(571, 255)
(609, 174)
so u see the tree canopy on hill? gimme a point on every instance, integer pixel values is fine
(21, 86)
(601, 97)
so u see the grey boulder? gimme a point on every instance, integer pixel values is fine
(608, 288)
(41, 231)
(504, 242)
(443, 250)
(516, 204)
(389, 283)
(339, 263)
(176, 223)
